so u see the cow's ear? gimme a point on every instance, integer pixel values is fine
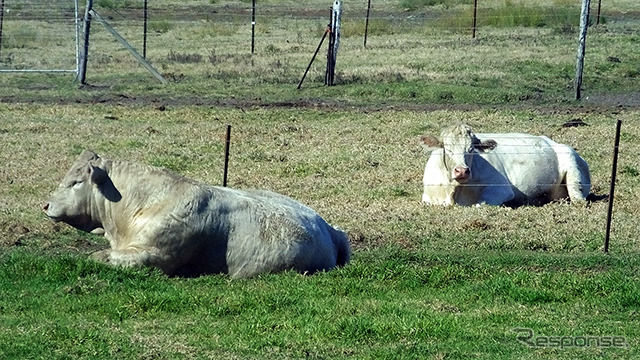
(97, 174)
(486, 145)
(430, 142)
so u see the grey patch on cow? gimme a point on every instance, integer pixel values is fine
(276, 226)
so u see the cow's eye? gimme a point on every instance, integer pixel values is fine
(76, 184)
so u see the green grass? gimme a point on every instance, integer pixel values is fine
(389, 303)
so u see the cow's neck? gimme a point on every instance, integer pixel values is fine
(140, 188)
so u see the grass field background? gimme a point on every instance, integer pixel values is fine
(424, 282)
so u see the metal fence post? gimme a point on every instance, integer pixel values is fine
(614, 167)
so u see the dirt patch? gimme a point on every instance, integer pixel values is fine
(597, 103)
(631, 99)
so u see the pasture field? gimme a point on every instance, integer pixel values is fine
(424, 282)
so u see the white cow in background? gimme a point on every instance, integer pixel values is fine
(513, 169)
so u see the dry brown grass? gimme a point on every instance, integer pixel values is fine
(360, 169)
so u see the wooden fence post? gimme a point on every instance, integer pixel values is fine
(82, 71)
(475, 13)
(584, 24)
(334, 43)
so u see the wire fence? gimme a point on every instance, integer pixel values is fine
(43, 35)
(32, 30)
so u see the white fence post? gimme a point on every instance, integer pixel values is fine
(584, 24)
(82, 70)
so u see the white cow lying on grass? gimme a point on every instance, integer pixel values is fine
(511, 169)
(154, 217)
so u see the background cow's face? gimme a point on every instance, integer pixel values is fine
(459, 146)
(71, 201)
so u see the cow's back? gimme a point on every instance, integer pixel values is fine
(261, 231)
(521, 157)
(532, 164)
(195, 228)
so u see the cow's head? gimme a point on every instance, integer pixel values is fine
(71, 202)
(459, 145)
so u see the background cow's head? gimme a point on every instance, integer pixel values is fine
(459, 144)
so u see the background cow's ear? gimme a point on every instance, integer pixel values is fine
(486, 145)
(430, 142)
(97, 174)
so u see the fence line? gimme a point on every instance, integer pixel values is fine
(380, 19)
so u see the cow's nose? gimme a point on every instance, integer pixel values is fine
(461, 172)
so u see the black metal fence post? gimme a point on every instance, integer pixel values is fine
(227, 144)
(613, 185)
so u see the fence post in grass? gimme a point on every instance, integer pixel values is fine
(144, 30)
(1, 25)
(253, 25)
(475, 12)
(329, 49)
(584, 22)
(366, 23)
(227, 143)
(334, 43)
(82, 71)
(613, 185)
(598, 16)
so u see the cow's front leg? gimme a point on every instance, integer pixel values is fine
(124, 257)
(101, 255)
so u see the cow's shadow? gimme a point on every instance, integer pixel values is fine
(596, 198)
(543, 200)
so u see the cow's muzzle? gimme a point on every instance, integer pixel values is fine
(461, 173)
(46, 207)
